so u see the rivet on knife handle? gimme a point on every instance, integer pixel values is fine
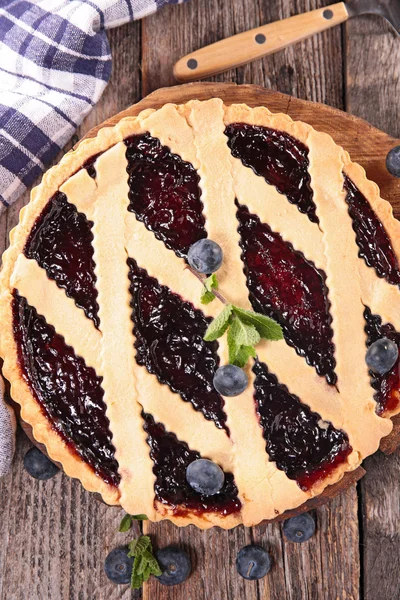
(250, 45)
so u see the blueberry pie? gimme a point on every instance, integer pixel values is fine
(102, 324)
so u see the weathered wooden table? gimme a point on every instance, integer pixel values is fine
(54, 535)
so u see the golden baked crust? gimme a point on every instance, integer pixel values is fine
(195, 131)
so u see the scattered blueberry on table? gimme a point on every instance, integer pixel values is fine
(230, 380)
(393, 161)
(300, 528)
(38, 465)
(382, 355)
(205, 256)
(205, 477)
(253, 562)
(175, 565)
(118, 565)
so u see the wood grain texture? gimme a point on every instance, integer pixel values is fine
(55, 535)
(380, 533)
(372, 92)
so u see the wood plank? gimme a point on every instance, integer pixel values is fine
(311, 69)
(325, 567)
(372, 91)
(380, 527)
(55, 535)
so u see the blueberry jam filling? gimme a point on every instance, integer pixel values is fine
(61, 243)
(89, 165)
(169, 343)
(287, 287)
(387, 386)
(164, 193)
(279, 158)
(298, 441)
(373, 242)
(67, 390)
(171, 458)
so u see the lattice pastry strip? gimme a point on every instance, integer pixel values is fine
(60, 310)
(195, 132)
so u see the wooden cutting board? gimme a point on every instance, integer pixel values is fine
(366, 145)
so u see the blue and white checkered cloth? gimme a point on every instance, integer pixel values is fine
(55, 63)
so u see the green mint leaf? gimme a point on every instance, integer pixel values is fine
(152, 563)
(136, 581)
(145, 563)
(206, 297)
(219, 325)
(125, 524)
(233, 346)
(241, 341)
(243, 333)
(266, 327)
(147, 573)
(207, 294)
(139, 545)
(141, 564)
(139, 517)
(211, 283)
(242, 356)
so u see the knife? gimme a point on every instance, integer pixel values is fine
(250, 45)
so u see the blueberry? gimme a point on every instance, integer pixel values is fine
(393, 161)
(253, 562)
(205, 477)
(205, 256)
(118, 565)
(175, 565)
(38, 465)
(230, 380)
(299, 529)
(382, 355)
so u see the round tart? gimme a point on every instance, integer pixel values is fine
(102, 325)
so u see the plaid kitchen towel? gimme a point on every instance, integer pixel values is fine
(55, 63)
(7, 433)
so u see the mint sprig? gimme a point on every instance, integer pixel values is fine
(219, 325)
(245, 330)
(207, 294)
(127, 520)
(266, 327)
(144, 563)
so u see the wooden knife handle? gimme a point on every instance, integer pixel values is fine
(250, 45)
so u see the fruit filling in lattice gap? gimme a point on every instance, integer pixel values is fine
(301, 444)
(284, 285)
(169, 343)
(372, 239)
(67, 390)
(171, 458)
(387, 386)
(61, 243)
(277, 157)
(164, 193)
